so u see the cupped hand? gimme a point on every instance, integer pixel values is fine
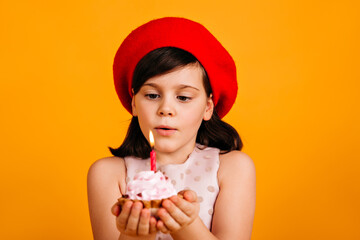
(134, 220)
(178, 212)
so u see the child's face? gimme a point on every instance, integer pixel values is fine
(173, 106)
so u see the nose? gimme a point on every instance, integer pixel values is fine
(166, 108)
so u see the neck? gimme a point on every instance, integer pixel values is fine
(175, 157)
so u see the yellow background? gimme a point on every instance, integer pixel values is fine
(297, 109)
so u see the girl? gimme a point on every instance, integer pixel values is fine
(178, 81)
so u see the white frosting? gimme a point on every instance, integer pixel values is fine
(148, 185)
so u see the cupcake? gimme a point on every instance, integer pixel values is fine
(150, 188)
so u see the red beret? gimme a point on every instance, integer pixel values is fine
(184, 34)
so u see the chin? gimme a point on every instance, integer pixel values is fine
(166, 148)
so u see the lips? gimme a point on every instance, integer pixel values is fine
(165, 127)
(165, 130)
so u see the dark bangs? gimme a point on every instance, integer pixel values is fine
(161, 61)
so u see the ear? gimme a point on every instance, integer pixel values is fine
(209, 109)
(133, 107)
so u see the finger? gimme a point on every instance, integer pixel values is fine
(190, 196)
(115, 209)
(161, 227)
(177, 214)
(121, 220)
(152, 227)
(143, 228)
(186, 207)
(181, 193)
(133, 220)
(169, 222)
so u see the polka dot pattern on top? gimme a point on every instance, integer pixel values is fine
(197, 173)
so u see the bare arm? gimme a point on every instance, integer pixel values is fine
(105, 179)
(236, 199)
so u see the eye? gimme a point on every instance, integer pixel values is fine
(184, 98)
(152, 96)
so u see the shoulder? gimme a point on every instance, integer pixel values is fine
(236, 164)
(238, 159)
(107, 169)
(107, 164)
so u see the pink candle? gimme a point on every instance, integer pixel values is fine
(152, 153)
(153, 160)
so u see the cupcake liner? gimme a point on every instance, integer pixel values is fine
(152, 205)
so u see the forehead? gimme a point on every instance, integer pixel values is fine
(191, 75)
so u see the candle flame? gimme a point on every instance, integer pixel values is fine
(152, 141)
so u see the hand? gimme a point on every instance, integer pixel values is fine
(178, 212)
(134, 220)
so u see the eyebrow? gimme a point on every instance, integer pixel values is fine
(182, 86)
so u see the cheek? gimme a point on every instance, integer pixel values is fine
(143, 110)
(144, 120)
(193, 118)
